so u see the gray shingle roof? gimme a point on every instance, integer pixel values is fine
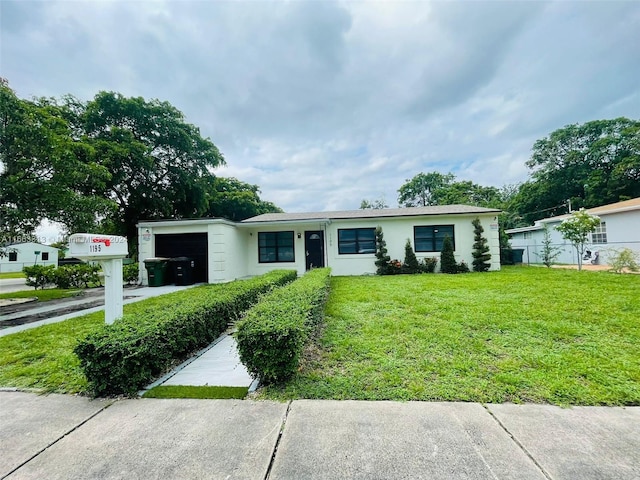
(370, 213)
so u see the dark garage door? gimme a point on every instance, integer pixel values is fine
(192, 245)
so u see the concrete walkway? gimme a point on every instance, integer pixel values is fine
(217, 365)
(66, 437)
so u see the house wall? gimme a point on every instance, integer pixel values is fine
(623, 231)
(250, 235)
(26, 256)
(531, 244)
(233, 248)
(396, 232)
(227, 253)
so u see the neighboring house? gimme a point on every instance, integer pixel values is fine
(26, 254)
(619, 228)
(223, 250)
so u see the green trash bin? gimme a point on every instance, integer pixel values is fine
(156, 271)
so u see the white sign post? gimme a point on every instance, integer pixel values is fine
(109, 250)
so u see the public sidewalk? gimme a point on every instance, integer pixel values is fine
(66, 437)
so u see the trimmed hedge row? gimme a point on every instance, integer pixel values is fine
(272, 335)
(127, 355)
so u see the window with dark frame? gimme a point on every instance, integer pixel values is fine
(430, 238)
(356, 241)
(45, 256)
(13, 256)
(276, 247)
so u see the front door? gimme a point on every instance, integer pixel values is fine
(314, 248)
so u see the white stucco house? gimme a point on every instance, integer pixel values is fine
(619, 228)
(223, 250)
(26, 254)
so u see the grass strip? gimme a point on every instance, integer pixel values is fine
(43, 295)
(11, 275)
(188, 391)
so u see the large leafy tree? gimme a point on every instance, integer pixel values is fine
(160, 165)
(590, 164)
(468, 193)
(236, 200)
(46, 170)
(106, 163)
(435, 188)
(422, 189)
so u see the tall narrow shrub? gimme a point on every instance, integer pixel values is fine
(549, 251)
(383, 261)
(447, 259)
(411, 264)
(481, 255)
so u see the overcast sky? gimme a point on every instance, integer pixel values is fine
(325, 103)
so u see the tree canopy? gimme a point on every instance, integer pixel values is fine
(590, 164)
(235, 200)
(422, 190)
(377, 204)
(46, 170)
(107, 164)
(160, 165)
(435, 188)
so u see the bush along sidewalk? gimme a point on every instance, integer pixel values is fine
(123, 357)
(272, 335)
(82, 275)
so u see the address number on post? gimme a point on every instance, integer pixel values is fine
(97, 247)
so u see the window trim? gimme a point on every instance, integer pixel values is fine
(599, 235)
(357, 229)
(433, 238)
(277, 247)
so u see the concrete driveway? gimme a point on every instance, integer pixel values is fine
(65, 437)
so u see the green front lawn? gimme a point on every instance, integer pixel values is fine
(523, 335)
(519, 335)
(42, 358)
